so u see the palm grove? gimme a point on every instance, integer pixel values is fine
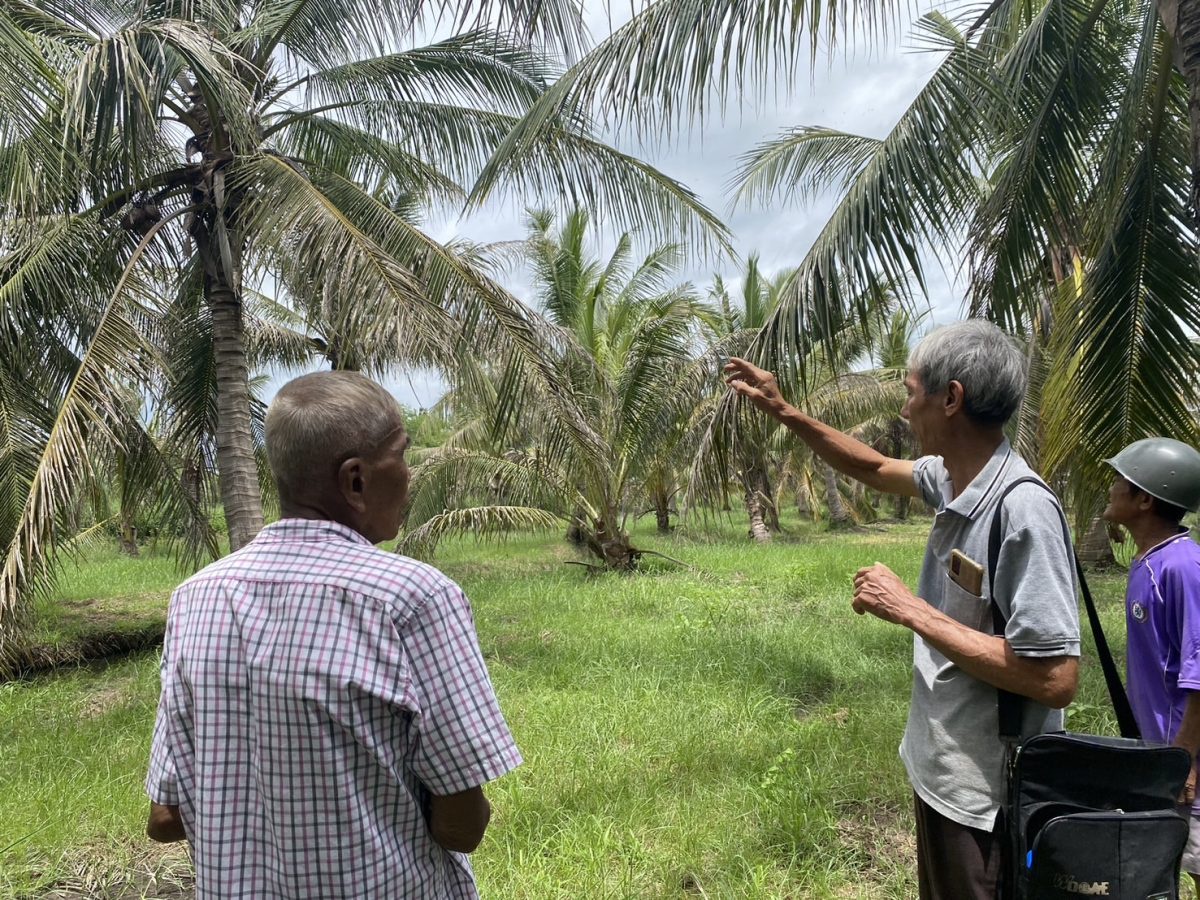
(195, 191)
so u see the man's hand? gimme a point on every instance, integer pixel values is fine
(165, 825)
(879, 591)
(1188, 797)
(755, 384)
(458, 821)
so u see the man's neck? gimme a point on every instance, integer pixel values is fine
(968, 454)
(316, 510)
(1151, 531)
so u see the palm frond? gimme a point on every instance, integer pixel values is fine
(382, 167)
(567, 162)
(914, 189)
(477, 69)
(1057, 87)
(480, 522)
(88, 415)
(456, 478)
(1125, 357)
(674, 59)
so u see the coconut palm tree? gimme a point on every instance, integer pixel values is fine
(840, 389)
(731, 327)
(596, 460)
(1049, 149)
(285, 148)
(288, 143)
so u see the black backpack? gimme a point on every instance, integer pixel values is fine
(1087, 815)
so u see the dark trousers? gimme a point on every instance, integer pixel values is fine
(955, 862)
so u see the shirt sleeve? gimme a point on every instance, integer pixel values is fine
(928, 474)
(162, 781)
(1035, 577)
(1181, 589)
(462, 740)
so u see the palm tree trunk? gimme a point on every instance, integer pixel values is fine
(576, 530)
(897, 431)
(237, 472)
(767, 496)
(1095, 551)
(803, 501)
(838, 517)
(662, 511)
(128, 536)
(611, 545)
(754, 509)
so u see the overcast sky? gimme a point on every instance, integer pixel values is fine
(861, 92)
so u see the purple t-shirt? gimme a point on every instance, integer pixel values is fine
(1162, 621)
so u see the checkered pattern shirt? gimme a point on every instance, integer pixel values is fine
(315, 691)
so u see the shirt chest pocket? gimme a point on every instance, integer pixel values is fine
(963, 606)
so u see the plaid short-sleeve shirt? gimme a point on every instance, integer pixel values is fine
(315, 691)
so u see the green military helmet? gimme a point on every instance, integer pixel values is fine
(1163, 468)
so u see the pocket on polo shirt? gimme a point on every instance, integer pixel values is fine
(963, 606)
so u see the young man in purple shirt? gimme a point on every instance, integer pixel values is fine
(1157, 483)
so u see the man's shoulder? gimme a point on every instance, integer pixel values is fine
(1182, 557)
(1031, 501)
(353, 567)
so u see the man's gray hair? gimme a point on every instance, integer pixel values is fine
(318, 421)
(988, 363)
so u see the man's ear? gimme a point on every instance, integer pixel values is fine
(352, 483)
(955, 398)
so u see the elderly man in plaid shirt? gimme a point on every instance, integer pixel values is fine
(326, 721)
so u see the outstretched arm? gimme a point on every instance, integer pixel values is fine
(844, 453)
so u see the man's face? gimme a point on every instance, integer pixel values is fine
(924, 413)
(386, 489)
(1124, 502)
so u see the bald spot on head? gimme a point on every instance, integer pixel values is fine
(318, 421)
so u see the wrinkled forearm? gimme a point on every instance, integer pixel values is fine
(1051, 681)
(846, 454)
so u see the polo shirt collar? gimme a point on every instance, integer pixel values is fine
(310, 530)
(1182, 533)
(972, 500)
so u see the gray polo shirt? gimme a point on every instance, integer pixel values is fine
(951, 746)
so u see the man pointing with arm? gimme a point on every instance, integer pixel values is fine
(964, 382)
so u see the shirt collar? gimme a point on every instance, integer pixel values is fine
(310, 530)
(971, 500)
(1184, 533)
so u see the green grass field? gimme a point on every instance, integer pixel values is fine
(728, 730)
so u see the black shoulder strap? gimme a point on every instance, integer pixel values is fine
(1011, 704)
